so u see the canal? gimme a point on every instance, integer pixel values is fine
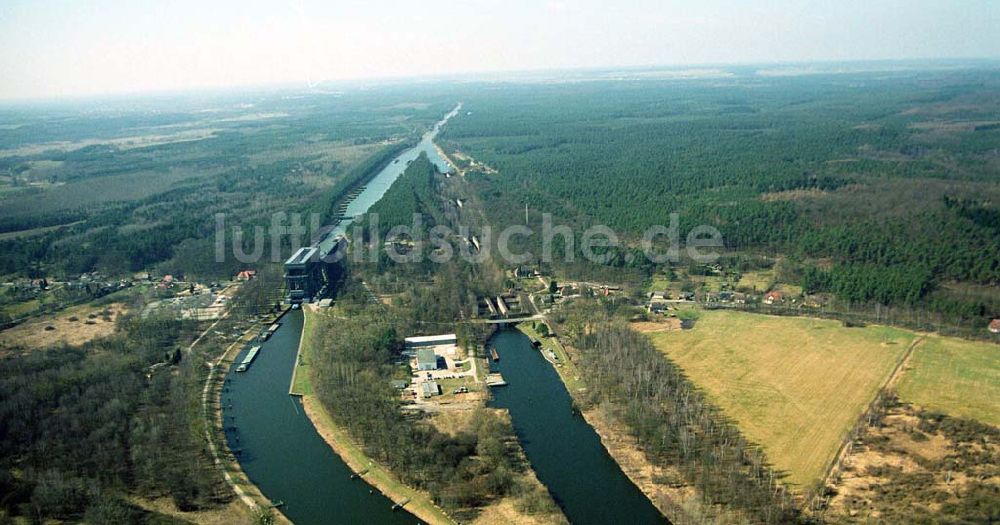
(283, 454)
(564, 450)
(280, 450)
(379, 184)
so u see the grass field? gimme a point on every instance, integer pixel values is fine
(960, 378)
(794, 385)
(760, 281)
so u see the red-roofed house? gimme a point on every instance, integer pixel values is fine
(166, 282)
(773, 297)
(995, 326)
(246, 275)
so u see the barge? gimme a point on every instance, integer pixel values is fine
(251, 355)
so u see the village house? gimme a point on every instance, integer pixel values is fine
(657, 307)
(524, 272)
(995, 326)
(774, 297)
(166, 282)
(246, 275)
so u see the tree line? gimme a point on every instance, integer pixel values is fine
(674, 422)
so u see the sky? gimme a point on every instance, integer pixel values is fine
(63, 48)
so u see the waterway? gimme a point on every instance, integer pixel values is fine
(280, 449)
(379, 184)
(564, 450)
(283, 454)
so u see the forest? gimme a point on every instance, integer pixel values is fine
(82, 427)
(855, 179)
(86, 430)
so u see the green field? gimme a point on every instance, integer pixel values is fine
(957, 377)
(794, 385)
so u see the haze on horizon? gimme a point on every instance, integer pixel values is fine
(60, 48)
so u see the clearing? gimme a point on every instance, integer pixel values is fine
(73, 326)
(794, 385)
(960, 378)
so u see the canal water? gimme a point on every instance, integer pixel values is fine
(563, 448)
(280, 450)
(379, 184)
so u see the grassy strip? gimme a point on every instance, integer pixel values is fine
(564, 365)
(301, 374)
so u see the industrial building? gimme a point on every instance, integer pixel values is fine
(312, 268)
(422, 341)
(426, 360)
(303, 275)
(430, 389)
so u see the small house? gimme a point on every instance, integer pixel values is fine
(774, 297)
(657, 307)
(995, 326)
(246, 275)
(166, 282)
(525, 272)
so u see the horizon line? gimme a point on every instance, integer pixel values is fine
(478, 76)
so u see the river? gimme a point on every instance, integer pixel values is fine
(563, 448)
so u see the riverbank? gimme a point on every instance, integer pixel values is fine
(246, 491)
(419, 503)
(675, 499)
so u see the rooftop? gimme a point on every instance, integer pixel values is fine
(426, 356)
(430, 388)
(303, 255)
(438, 339)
